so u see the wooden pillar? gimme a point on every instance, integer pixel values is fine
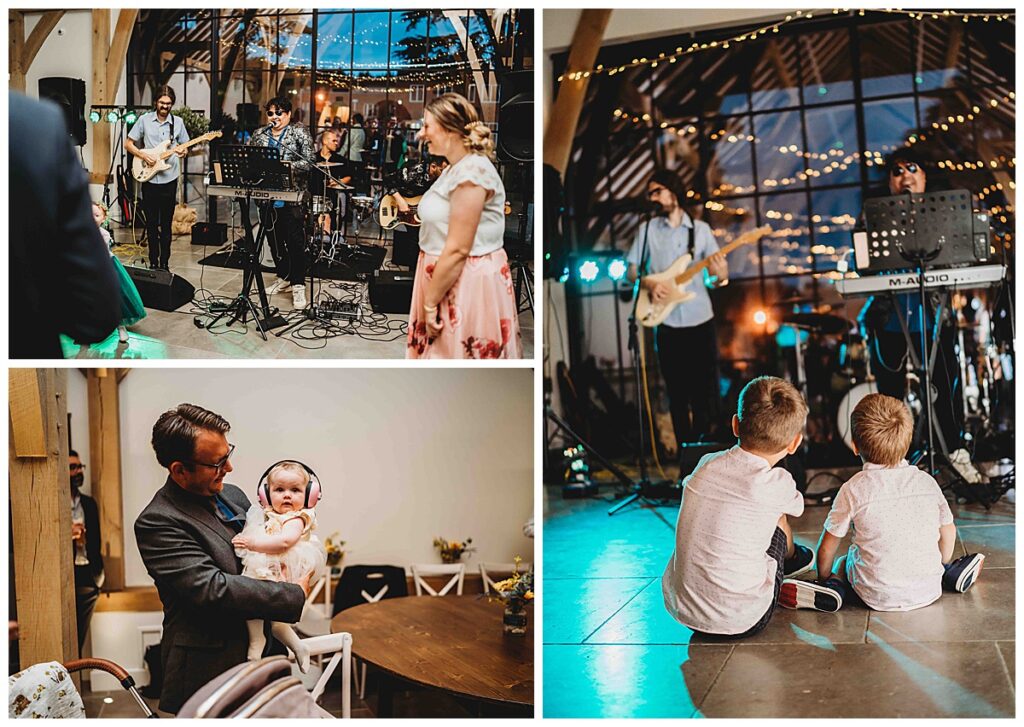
(565, 111)
(108, 61)
(40, 499)
(22, 52)
(105, 471)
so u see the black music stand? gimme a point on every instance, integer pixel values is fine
(919, 229)
(251, 168)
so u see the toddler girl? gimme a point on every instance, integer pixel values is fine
(278, 544)
(132, 310)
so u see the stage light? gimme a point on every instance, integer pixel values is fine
(617, 270)
(94, 116)
(131, 117)
(589, 270)
(760, 317)
(564, 276)
(112, 116)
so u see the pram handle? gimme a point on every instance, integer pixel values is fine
(115, 670)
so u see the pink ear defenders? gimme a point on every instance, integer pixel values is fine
(313, 489)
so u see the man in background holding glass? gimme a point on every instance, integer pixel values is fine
(85, 540)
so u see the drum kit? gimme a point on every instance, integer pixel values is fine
(840, 367)
(330, 221)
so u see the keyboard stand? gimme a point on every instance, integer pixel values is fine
(242, 307)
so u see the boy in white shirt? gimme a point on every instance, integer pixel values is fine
(903, 529)
(733, 543)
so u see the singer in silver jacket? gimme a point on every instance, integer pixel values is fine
(285, 223)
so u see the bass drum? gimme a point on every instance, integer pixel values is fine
(846, 407)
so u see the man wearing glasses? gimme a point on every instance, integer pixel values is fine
(184, 536)
(158, 194)
(85, 540)
(879, 322)
(686, 342)
(284, 223)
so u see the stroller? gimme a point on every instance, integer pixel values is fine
(264, 688)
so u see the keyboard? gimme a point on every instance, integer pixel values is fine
(259, 195)
(975, 276)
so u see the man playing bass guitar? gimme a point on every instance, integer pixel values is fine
(685, 341)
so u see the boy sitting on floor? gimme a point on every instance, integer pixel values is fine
(903, 529)
(733, 543)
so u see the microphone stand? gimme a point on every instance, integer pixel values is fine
(642, 487)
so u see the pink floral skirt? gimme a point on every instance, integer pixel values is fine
(479, 312)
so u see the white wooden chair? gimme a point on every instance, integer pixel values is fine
(457, 571)
(489, 573)
(316, 617)
(340, 645)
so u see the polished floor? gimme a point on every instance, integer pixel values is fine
(175, 335)
(611, 649)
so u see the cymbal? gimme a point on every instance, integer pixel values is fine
(820, 322)
(793, 300)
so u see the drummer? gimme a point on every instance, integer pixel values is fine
(336, 170)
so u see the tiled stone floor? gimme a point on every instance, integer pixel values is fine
(164, 335)
(611, 649)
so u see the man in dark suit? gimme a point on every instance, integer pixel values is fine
(85, 540)
(184, 536)
(62, 280)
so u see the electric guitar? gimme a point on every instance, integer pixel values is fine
(391, 217)
(678, 276)
(144, 172)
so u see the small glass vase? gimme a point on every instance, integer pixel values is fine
(514, 621)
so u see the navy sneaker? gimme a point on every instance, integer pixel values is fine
(807, 594)
(801, 561)
(963, 572)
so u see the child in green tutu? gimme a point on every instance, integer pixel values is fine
(132, 310)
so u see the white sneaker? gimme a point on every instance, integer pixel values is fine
(299, 296)
(961, 462)
(279, 286)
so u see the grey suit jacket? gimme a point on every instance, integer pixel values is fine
(187, 551)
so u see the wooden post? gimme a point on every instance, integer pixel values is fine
(108, 61)
(16, 44)
(41, 517)
(565, 111)
(105, 470)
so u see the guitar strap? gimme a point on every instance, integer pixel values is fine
(692, 245)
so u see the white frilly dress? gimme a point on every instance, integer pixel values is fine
(308, 554)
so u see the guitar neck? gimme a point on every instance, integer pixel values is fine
(186, 145)
(698, 267)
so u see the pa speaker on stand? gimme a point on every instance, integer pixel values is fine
(515, 117)
(69, 94)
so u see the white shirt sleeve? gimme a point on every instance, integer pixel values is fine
(476, 170)
(841, 515)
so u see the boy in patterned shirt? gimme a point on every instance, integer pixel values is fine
(733, 542)
(902, 552)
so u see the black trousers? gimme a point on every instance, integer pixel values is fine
(889, 361)
(284, 226)
(158, 201)
(85, 602)
(689, 364)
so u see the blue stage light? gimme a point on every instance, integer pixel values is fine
(564, 276)
(617, 270)
(112, 116)
(94, 116)
(589, 270)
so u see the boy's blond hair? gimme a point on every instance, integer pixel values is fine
(882, 428)
(293, 467)
(771, 413)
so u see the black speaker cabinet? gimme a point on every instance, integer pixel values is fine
(160, 289)
(69, 94)
(209, 233)
(515, 117)
(391, 291)
(406, 248)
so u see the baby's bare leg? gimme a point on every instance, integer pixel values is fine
(257, 640)
(287, 636)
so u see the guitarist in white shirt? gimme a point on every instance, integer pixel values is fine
(158, 194)
(686, 342)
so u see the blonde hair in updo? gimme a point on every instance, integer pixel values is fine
(456, 114)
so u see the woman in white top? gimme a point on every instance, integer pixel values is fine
(462, 300)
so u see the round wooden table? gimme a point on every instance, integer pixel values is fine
(451, 643)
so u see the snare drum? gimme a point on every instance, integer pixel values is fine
(322, 205)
